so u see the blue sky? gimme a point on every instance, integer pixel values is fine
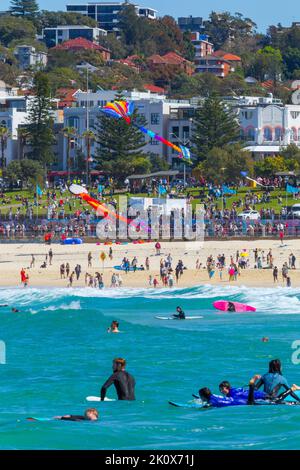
(263, 12)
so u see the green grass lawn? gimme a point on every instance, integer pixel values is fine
(42, 211)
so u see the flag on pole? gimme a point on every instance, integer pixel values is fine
(185, 152)
(161, 190)
(39, 192)
(226, 190)
(292, 189)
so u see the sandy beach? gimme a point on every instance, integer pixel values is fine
(14, 257)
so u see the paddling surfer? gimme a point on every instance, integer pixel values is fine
(122, 380)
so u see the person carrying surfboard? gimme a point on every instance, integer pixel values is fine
(180, 315)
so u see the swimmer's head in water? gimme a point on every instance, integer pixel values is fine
(91, 414)
(205, 394)
(119, 364)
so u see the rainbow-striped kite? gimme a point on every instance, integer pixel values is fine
(123, 109)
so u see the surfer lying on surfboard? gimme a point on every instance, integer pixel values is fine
(222, 401)
(91, 414)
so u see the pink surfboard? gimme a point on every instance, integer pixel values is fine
(223, 306)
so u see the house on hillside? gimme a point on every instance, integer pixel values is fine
(82, 44)
(173, 60)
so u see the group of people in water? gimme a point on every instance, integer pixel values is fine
(273, 382)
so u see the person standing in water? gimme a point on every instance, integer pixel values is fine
(122, 380)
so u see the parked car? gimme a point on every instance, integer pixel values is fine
(294, 212)
(249, 214)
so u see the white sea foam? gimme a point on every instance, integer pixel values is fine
(277, 300)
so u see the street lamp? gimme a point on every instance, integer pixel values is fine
(183, 142)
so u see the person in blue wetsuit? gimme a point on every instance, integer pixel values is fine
(232, 392)
(219, 401)
(274, 381)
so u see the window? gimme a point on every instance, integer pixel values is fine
(155, 119)
(175, 131)
(295, 114)
(294, 135)
(185, 132)
(248, 114)
(278, 133)
(268, 134)
(250, 134)
(73, 121)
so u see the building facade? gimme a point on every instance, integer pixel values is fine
(191, 23)
(154, 108)
(28, 57)
(107, 13)
(267, 125)
(54, 36)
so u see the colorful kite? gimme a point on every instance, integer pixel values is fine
(82, 192)
(124, 110)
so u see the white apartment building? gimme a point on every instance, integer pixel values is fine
(14, 112)
(267, 125)
(154, 108)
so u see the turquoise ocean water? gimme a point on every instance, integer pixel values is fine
(58, 352)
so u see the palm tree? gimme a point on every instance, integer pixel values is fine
(4, 134)
(69, 133)
(23, 133)
(89, 136)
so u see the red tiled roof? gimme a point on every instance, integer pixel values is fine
(170, 58)
(154, 89)
(81, 43)
(227, 56)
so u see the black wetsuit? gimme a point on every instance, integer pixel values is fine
(124, 384)
(180, 316)
(73, 418)
(276, 400)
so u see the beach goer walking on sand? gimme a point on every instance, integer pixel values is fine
(170, 280)
(23, 276)
(86, 278)
(284, 272)
(155, 282)
(110, 254)
(147, 263)
(71, 277)
(90, 259)
(150, 281)
(275, 274)
(50, 256)
(32, 262)
(293, 261)
(231, 272)
(101, 283)
(158, 248)
(67, 269)
(221, 269)
(281, 236)
(288, 282)
(77, 271)
(62, 271)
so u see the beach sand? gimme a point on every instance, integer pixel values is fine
(15, 256)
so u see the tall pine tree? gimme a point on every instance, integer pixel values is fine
(25, 8)
(40, 122)
(214, 127)
(120, 148)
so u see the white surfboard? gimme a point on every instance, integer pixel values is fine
(91, 398)
(173, 318)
